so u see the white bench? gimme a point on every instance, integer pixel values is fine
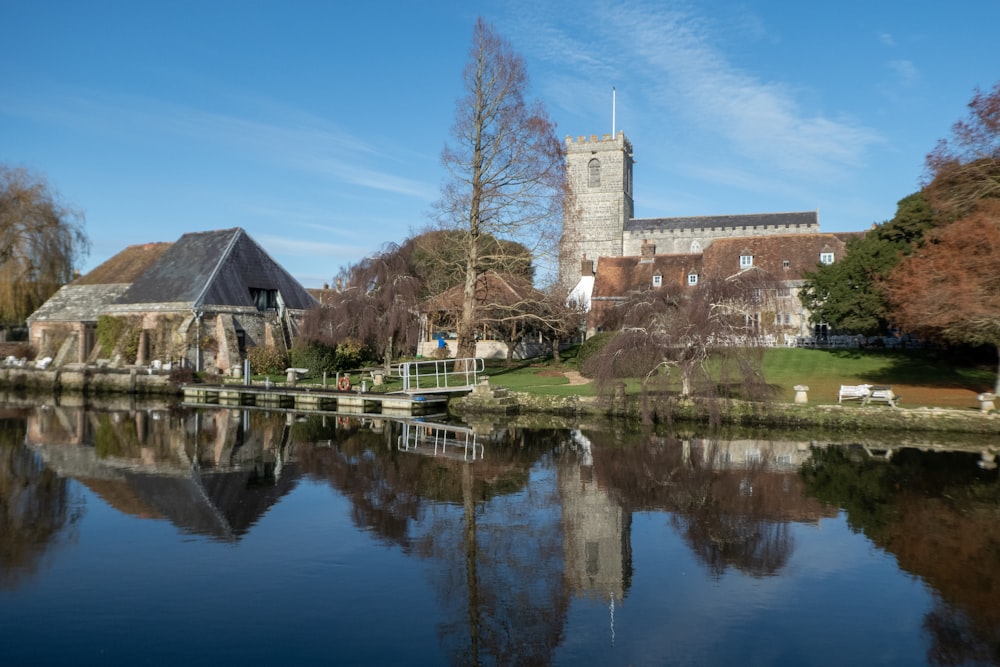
(866, 393)
(884, 394)
(852, 392)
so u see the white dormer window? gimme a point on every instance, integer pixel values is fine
(657, 280)
(746, 261)
(692, 279)
(826, 258)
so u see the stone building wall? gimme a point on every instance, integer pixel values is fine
(694, 239)
(599, 175)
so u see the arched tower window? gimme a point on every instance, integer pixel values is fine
(594, 173)
(695, 247)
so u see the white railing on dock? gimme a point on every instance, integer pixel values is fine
(441, 374)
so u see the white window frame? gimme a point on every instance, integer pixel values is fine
(746, 261)
(692, 279)
(657, 280)
(826, 258)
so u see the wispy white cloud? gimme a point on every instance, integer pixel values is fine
(672, 55)
(290, 139)
(886, 39)
(307, 248)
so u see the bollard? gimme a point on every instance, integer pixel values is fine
(800, 393)
(986, 404)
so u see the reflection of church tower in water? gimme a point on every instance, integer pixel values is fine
(596, 532)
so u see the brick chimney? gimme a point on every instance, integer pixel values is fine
(647, 251)
(586, 267)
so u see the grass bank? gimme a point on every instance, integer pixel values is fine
(923, 378)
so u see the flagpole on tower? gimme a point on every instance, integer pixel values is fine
(613, 109)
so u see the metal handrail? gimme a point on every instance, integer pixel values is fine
(441, 374)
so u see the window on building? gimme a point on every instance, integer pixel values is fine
(594, 171)
(692, 279)
(264, 299)
(657, 280)
(695, 247)
(746, 261)
(785, 264)
(826, 258)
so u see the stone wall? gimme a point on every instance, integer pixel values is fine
(87, 380)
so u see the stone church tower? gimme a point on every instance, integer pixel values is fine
(599, 179)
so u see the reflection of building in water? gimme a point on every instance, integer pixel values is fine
(596, 531)
(211, 474)
(777, 455)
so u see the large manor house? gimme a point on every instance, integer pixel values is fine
(607, 253)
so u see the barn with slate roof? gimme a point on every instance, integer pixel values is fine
(200, 301)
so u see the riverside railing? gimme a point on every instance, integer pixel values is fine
(443, 375)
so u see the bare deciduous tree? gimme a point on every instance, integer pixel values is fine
(41, 240)
(702, 341)
(506, 168)
(965, 168)
(375, 302)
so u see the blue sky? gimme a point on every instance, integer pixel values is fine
(318, 126)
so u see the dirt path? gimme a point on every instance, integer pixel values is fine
(575, 378)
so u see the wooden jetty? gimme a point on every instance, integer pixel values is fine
(306, 399)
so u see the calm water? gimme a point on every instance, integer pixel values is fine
(166, 537)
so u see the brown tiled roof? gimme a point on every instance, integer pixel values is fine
(126, 266)
(785, 256)
(617, 276)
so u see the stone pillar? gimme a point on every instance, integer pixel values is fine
(986, 404)
(800, 393)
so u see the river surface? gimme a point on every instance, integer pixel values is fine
(167, 536)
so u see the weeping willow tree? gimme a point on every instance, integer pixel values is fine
(41, 240)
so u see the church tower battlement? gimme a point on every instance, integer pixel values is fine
(599, 202)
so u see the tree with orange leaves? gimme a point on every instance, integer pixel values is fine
(949, 290)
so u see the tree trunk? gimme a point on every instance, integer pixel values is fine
(996, 385)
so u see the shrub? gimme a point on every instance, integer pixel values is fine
(181, 375)
(266, 359)
(118, 333)
(351, 353)
(317, 357)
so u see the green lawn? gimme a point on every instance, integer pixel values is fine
(823, 371)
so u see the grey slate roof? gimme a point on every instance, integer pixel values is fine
(212, 269)
(800, 218)
(78, 303)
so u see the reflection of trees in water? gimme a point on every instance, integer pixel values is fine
(758, 547)
(36, 509)
(495, 540)
(499, 574)
(937, 513)
(730, 517)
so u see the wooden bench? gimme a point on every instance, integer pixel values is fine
(854, 392)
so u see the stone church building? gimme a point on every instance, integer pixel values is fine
(602, 238)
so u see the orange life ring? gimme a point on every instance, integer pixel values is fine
(344, 383)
